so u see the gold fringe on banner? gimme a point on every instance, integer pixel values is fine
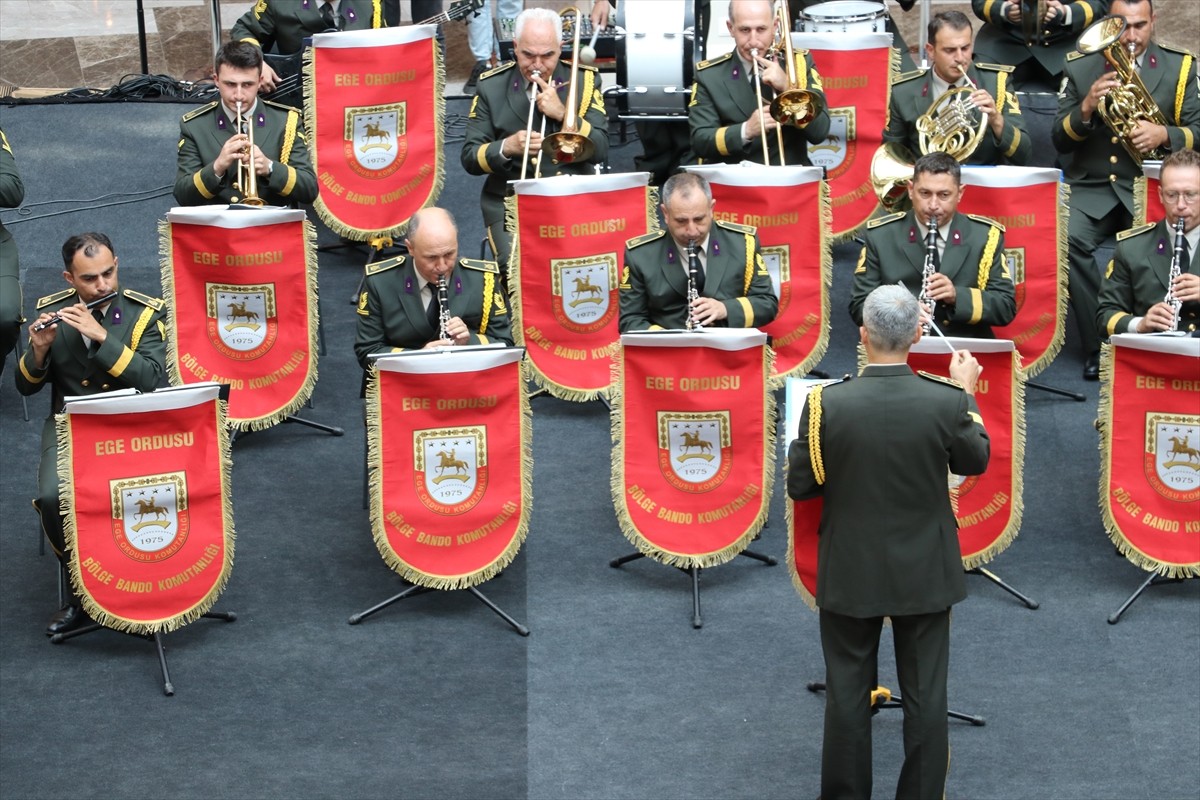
(335, 224)
(445, 583)
(809, 599)
(825, 221)
(1141, 187)
(1061, 271)
(62, 430)
(1104, 422)
(617, 478)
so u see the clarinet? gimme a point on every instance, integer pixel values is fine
(927, 270)
(692, 294)
(443, 308)
(1176, 270)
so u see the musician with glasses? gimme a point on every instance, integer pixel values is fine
(949, 49)
(281, 26)
(402, 308)
(1034, 48)
(727, 115)
(1100, 168)
(1133, 296)
(968, 288)
(211, 147)
(500, 124)
(90, 338)
(731, 284)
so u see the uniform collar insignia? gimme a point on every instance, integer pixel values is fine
(1153, 61)
(350, 15)
(737, 73)
(306, 3)
(716, 247)
(458, 284)
(671, 254)
(221, 123)
(114, 315)
(912, 233)
(925, 90)
(408, 284)
(1162, 246)
(956, 236)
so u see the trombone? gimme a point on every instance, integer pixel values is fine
(247, 178)
(568, 145)
(792, 106)
(533, 95)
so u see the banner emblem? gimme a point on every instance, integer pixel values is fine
(374, 139)
(582, 291)
(1014, 262)
(451, 468)
(839, 146)
(241, 319)
(1173, 455)
(150, 519)
(694, 450)
(779, 264)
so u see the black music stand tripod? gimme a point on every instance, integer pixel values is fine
(991, 576)
(882, 697)
(414, 590)
(156, 637)
(697, 621)
(1154, 580)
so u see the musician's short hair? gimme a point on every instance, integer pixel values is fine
(1149, 4)
(954, 20)
(682, 183)
(414, 222)
(1180, 158)
(90, 243)
(238, 55)
(733, 3)
(938, 163)
(543, 15)
(890, 315)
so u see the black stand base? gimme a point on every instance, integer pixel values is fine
(412, 591)
(882, 697)
(1153, 580)
(697, 621)
(1076, 396)
(332, 430)
(1029, 603)
(168, 687)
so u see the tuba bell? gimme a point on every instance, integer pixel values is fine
(1129, 102)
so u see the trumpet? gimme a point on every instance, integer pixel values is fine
(247, 178)
(928, 269)
(1176, 270)
(443, 308)
(57, 317)
(693, 294)
(568, 145)
(533, 94)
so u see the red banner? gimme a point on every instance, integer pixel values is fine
(146, 502)
(449, 451)
(1147, 205)
(693, 454)
(375, 114)
(241, 289)
(795, 247)
(1031, 204)
(1150, 451)
(856, 73)
(569, 238)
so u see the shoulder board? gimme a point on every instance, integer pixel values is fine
(734, 226)
(51, 299)
(497, 70)
(154, 302)
(1076, 54)
(994, 67)
(1177, 50)
(480, 265)
(637, 241)
(712, 62)
(195, 112)
(875, 223)
(1140, 229)
(908, 76)
(376, 267)
(939, 379)
(583, 66)
(986, 221)
(282, 106)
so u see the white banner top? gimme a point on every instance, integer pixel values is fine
(449, 360)
(1170, 343)
(1006, 177)
(934, 344)
(750, 173)
(570, 185)
(728, 339)
(234, 218)
(128, 401)
(375, 37)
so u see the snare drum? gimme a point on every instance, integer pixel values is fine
(843, 16)
(654, 58)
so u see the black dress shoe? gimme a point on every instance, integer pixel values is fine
(1091, 370)
(67, 619)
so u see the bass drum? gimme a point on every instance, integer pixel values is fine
(654, 58)
(843, 16)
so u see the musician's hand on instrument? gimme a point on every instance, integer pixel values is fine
(458, 332)
(772, 74)
(1100, 88)
(1054, 11)
(600, 11)
(707, 310)
(436, 343)
(40, 340)
(514, 146)
(79, 318)
(1147, 136)
(270, 79)
(758, 122)
(262, 164)
(1012, 11)
(1159, 317)
(965, 369)
(1186, 287)
(548, 101)
(941, 289)
(987, 106)
(233, 151)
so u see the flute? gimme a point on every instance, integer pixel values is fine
(57, 318)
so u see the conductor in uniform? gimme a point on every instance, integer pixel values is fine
(733, 286)
(211, 146)
(496, 136)
(878, 449)
(971, 288)
(728, 117)
(399, 305)
(118, 344)
(1133, 295)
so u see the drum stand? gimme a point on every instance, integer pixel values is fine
(156, 637)
(697, 622)
(882, 697)
(991, 576)
(1154, 580)
(416, 590)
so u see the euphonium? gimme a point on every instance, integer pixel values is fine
(247, 178)
(1176, 270)
(568, 145)
(1129, 102)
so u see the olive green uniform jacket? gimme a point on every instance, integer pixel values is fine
(1138, 278)
(1002, 42)
(391, 313)
(653, 289)
(283, 25)
(973, 259)
(12, 192)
